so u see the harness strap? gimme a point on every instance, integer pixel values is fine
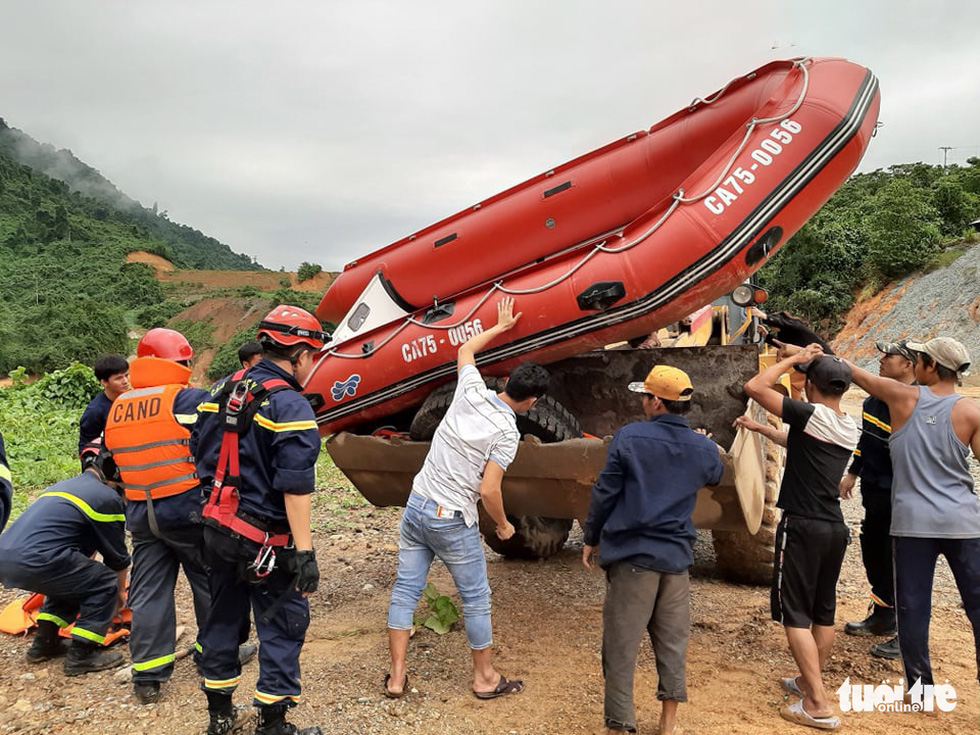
(222, 505)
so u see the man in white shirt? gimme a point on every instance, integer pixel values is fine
(470, 451)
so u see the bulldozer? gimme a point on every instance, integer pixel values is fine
(548, 485)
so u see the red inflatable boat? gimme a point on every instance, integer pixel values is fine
(608, 246)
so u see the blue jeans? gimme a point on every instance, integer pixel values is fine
(422, 536)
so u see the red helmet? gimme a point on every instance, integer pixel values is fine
(289, 325)
(165, 343)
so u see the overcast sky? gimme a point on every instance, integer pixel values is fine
(319, 130)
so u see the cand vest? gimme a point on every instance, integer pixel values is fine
(148, 444)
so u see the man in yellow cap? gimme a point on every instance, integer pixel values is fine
(640, 517)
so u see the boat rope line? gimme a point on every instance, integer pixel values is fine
(677, 199)
(731, 246)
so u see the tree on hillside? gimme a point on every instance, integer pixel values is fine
(307, 271)
(903, 229)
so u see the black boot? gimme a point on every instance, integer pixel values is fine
(225, 717)
(85, 657)
(889, 649)
(880, 621)
(272, 721)
(47, 644)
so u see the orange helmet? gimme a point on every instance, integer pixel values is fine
(165, 343)
(289, 325)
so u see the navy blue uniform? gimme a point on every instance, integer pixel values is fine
(277, 456)
(873, 464)
(156, 562)
(92, 423)
(48, 549)
(6, 486)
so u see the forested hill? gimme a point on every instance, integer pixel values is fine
(66, 290)
(878, 227)
(90, 194)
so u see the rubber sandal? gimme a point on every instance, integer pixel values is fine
(791, 686)
(796, 714)
(394, 695)
(504, 686)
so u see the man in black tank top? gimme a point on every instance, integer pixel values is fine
(811, 537)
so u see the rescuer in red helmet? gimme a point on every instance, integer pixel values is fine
(256, 445)
(148, 431)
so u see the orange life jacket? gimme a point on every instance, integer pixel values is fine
(147, 443)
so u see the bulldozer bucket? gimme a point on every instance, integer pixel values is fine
(555, 480)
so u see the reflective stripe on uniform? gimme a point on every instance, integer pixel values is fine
(153, 663)
(207, 407)
(52, 619)
(160, 483)
(186, 418)
(223, 683)
(5, 472)
(876, 422)
(149, 445)
(86, 508)
(284, 426)
(273, 698)
(88, 635)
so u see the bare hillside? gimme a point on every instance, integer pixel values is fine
(945, 302)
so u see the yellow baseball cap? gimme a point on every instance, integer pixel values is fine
(665, 382)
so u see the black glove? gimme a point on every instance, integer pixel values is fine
(307, 573)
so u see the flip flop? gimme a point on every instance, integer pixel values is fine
(791, 686)
(799, 716)
(504, 686)
(394, 695)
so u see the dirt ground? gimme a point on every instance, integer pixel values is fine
(547, 623)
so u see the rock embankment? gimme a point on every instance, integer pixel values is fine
(945, 302)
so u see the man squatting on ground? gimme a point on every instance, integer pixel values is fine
(471, 449)
(48, 549)
(873, 464)
(934, 502)
(811, 537)
(256, 445)
(640, 522)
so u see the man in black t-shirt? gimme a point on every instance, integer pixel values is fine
(811, 537)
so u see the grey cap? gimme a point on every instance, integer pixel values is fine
(946, 351)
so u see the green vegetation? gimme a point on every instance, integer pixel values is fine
(877, 227)
(40, 427)
(96, 195)
(307, 271)
(442, 611)
(66, 290)
(225, 360)
(308, 300)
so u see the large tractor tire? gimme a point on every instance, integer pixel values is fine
(748, 558)
(535, 537)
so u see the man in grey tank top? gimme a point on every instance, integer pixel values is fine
(934, 502)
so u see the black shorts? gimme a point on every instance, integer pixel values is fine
(808, 558)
